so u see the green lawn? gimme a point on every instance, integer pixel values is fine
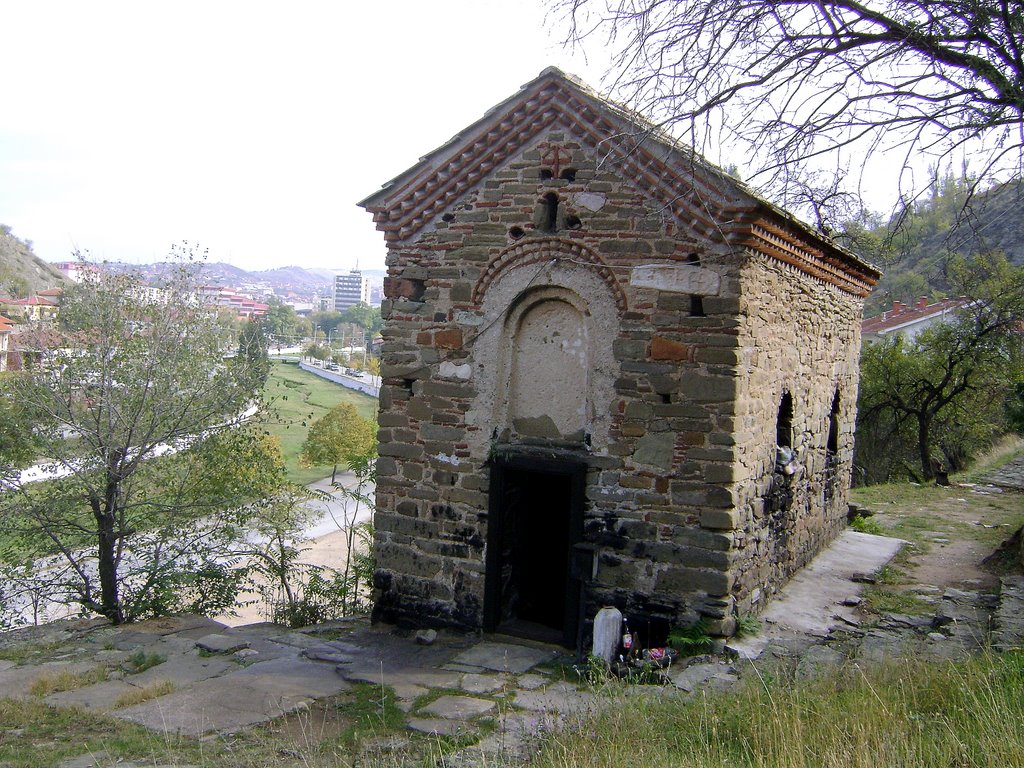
(296, 399)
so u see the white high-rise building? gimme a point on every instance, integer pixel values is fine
(350, 289)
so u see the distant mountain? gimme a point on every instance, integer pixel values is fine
(281, 281)
(298, 279)
(21, 271)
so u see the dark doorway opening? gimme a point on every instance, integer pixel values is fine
(535, 519)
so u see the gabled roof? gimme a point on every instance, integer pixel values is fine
(6, 324)
(703, 198)
(902, 316)
(31, 301)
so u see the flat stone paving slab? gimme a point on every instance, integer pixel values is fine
(16, 682)
(101, 697)
(236, 699)
(290, 676)
(459, 707)
(212, 705)
(218, 643)
(556, 699)
(429, 678)
(437, 727)
(473, 683)
(184, 669)
(810, 603)
(1010, 475)
(502, 657)
(1008, 629)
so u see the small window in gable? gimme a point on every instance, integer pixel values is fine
(549, 212)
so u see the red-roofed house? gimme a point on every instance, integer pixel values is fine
(909, 320)
(244, 306)
(6, 328)
(77, 271)
(34, 309)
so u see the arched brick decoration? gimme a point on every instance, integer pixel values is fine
(546, 249)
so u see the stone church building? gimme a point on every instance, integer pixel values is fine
(612, 376)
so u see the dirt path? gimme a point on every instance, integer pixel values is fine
(951, 530)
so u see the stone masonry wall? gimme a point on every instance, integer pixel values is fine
(683, 364)
(802, 337)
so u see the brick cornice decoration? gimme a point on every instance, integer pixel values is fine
(702, 199)
(834, 267)
(544, 250)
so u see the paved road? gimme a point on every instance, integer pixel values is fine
(340, 510)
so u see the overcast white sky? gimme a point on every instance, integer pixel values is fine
(251, 128)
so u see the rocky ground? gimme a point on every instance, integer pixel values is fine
(494, 696)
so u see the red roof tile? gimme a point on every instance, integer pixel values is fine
(904, 314)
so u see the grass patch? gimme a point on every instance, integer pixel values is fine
(140, 661)
(66, 680)
(372, 711)
(27, 650)
(908, 714)
(890, 574)
(747, 625)
(297, 398)
(45, 736)
(884, 599)
(866, 525)
(152, 690)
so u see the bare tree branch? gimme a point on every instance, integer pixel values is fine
(799, 80)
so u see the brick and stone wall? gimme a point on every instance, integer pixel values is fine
(558, 309)
(656, 417)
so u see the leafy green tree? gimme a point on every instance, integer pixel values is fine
(326, 321)
(316, 351)
(945, 388)
(253, 349)
(366, 317)
(340, 436)
(131, 375)
(18, 444)
(283, 323)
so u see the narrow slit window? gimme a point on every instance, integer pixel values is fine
(833, 426)
(549, 221)
(784, 426)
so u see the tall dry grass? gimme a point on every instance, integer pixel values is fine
(902, 714)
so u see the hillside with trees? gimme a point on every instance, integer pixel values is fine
(916, 249)
(21, 271)
(933, 402)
